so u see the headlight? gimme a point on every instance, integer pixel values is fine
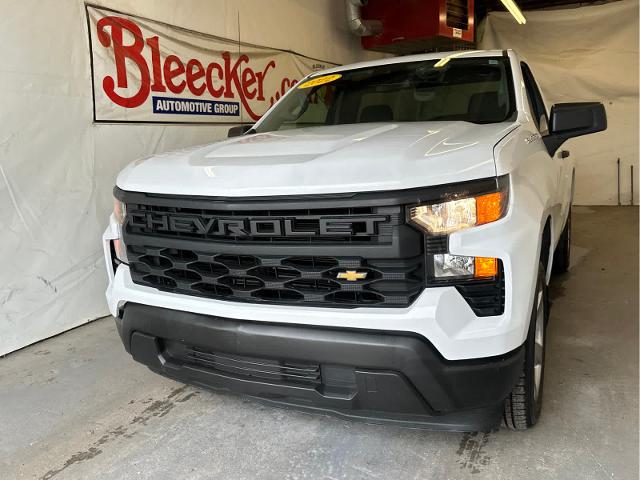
(120, 215)
(447, 266)
(447, 217)
(455, 208)
(119, 211)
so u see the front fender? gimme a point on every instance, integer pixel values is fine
(517, 238)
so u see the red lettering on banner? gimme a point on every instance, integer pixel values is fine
(157, 85)
(195, 71)
(232, 77)
(248, 79)
(260, 76)
(231, 72)
(121, 53)
(214, 92)
(171, 73)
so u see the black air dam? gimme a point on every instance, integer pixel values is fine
(367, 375)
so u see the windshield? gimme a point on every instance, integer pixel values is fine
(477, 90)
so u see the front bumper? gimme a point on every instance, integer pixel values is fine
(375, 376)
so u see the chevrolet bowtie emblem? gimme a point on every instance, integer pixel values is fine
(352, 275)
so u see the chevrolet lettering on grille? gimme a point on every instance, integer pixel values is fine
(257, 226)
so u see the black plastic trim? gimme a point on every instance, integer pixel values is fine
(387, 376)
(569, 120)
(329, 200)
(115, 261)
(397, 249)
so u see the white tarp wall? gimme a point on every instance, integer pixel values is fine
(57, 168)
(585, 54)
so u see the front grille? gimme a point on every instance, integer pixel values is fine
(345, 251)
(313, 251)
(308, 280)
(256, 368)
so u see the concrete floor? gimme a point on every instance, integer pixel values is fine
(76, 406)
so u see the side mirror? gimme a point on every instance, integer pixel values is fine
(239, 130)
(570, 120)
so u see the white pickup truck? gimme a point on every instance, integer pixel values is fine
(377, 246)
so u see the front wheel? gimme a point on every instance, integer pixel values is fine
(522, 406)
(562, 254)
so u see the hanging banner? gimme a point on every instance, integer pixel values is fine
(146, 71)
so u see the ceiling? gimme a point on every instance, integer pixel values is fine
(484, 6)
(537, 4)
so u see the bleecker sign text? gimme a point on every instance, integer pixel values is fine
(173, 73)
(150, 71)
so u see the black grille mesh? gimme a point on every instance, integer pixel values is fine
(260, 368)
(278, 279)
(272, 370)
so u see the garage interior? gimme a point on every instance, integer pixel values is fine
(73, 404)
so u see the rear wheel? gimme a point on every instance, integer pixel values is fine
(522, 406)
(563, 250)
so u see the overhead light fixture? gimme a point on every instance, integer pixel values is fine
(515, 11)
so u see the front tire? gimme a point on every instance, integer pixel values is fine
(523, 405)
(562, 254)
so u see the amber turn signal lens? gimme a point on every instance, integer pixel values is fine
(489, 207)
(485, 267)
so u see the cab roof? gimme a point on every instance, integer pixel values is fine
(415, 58)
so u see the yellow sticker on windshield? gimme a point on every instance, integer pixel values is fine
(314, 82)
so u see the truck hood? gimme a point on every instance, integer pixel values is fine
(317, 160)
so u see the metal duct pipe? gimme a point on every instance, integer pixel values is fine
(360, 27)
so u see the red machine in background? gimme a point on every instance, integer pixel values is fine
(411, 26)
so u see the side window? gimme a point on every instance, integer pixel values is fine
(535, 100)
